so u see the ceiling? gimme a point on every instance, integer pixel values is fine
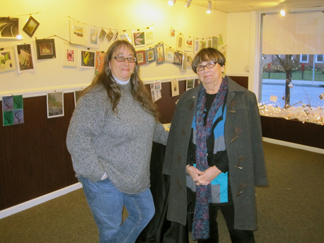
(231, 6)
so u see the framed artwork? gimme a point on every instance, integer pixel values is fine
(70, 56)
(125, 36)
(177, 58)
(149, 37)
(102, 34)
(24, 55)
(150, 55)
(214, 42)
(174, 87)
(55, 104)
(109, 36)
(188, 45)
(172, 32)
(196, 45)
(140, 57)
(115, 36)
(9, 27)
(159, 50)
(12, 110)
(157, 85)
(202, 44)
(139, 38)
(93, 37)
(99, 61)
(78, 33)
(169, 55)
(209, 42)
(87, 59)
(31, 26)
(190, 83)
(45, 49)
(180, 42)
(7, 60)
(184, 62)
(189, 61)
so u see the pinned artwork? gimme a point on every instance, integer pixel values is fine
(70, 56)
(139, 38)
(150, 55)
(99, 61)
(24, 55)
(93, 37)
(188, 44)
(149, 37)
(177, 58)
(45, 49)
(190, 83)
(159, 50)
(102, 34)
(180, 42)
(9, 27)
(55, 104)
(7, 60)
(140, 57)
(78, 33)
(12, 110)
(87, 59)
(31, 26)
(174, 87)
(110, 36)
(169, 55)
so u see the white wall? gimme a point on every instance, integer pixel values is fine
(122, 14)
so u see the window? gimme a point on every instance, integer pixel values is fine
(319, 59)
(304, 58)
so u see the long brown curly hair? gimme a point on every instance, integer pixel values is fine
(138, 90)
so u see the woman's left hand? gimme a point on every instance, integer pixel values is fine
(210, 174)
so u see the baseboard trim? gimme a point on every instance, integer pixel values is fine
(34, 202)
(293, 145)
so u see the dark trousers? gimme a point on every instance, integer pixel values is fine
(237, 236)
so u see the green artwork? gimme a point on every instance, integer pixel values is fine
(12, 110)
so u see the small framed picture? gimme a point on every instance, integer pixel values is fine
(78, 33)
(87, 59)
(93, 37)
(70, 56)
(102, 34)
(169, 55)
(7, 60)
(150, 55)
(99, 61)
(209, 42)
(25, 57)
(55, 104)
(189, 60)
(159, 50)
(110, 36)
(139, 38)
(190, 83)
(174, 87)
(45, 49)
(149, 37)
(140, 57)
(172, 32)
(177, 58)
(202, 44)
(214, 42)
(196, 45)
(157, 85)
(180, 43)
(125, 36)
(9, 27)
(31, 26)
(188, 45)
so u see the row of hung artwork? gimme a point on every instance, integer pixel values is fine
(13, 106)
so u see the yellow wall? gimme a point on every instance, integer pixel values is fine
(53, 16)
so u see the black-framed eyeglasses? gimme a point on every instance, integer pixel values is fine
(209, 65)
(123, 59)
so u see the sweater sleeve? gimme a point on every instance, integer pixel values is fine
(160, 134)
(84, 125)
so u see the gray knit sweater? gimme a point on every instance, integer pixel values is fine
(100, 141)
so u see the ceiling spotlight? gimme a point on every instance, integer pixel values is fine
(209, 7)
(171, 2)
(282, 12)
(188, 3)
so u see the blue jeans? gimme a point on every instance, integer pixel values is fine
(106, 203)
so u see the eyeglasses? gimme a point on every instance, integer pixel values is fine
(123, 59)
(209, 65)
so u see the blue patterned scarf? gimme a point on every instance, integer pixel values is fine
(203, 193)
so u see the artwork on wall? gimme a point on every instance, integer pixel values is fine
(93, 37)
(110, 36)
(115, 36)
(9, 27)
(196, 45)
(169, 55)
(214, 42)
(174, 87)
(172, 32)
(149, 37)
(78, 33)
(102, 34)
(189, 60)
(177, 58)
(87, 59)
(139, 38)
(55, 104)
(159, 50)
(24, 55)
(209, 42)
(150, 55)
(188, 45)
(31, 26)
(7, 60)
(45, 49)
(180, 42)
(125, 36)
(70, 56)
(202, 44)
(140, 57)
(190, 83)
(12, 110)
(99, 61)
(184, 62)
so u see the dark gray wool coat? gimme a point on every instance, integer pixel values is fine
(243, 140)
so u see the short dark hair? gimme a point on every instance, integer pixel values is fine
(208, 54)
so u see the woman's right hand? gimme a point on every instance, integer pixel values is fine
(195, 173)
